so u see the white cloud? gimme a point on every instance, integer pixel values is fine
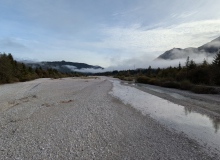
(136, 46)
(125, 47)
(184, 35)
(106, 33)
(84, 70)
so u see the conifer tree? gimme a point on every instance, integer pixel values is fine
(216, 61)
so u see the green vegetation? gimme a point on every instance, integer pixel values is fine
(199, 78)
(13, 71)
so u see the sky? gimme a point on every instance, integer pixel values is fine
(110, 33)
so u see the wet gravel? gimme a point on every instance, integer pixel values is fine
(79, 119)
(207, 104)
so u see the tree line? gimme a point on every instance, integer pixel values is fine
(13, 71)
(190, 76)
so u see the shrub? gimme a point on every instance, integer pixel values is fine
(204, 90)
(186, 85)
(151, 81)
(181, 75)
(125, 78)
(157, 82)
(143, 79)
(129, 79)
(171, 84)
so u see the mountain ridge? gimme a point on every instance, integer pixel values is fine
(63, 66)
(208, 50)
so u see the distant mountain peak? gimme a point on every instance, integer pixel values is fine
(208, 49)
(217, 39)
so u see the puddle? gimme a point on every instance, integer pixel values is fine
(201, 127)
(197, 126)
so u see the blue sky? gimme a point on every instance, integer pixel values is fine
(119, 33)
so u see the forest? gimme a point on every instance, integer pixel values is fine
(13, 71)
(198, 78)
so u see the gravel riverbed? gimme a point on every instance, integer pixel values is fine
(78, 119)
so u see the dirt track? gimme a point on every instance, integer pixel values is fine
(78, 119)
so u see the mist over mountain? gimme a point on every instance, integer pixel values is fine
(207, 50)
(64, 67)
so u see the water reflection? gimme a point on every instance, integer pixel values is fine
(194, 122)
(215, 121)
(216, 124)
(188, 110)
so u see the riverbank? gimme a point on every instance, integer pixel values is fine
(182, 85)
(78, 119)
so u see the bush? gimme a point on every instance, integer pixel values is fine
(156, 82)
(124, 78)
(143, 79)
(181, 75)
(199, 75)
(204, 90)
(129, 79)
(171, 84)
(152, 81)
(186, 85)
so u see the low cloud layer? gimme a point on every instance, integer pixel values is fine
(84, 70)
(144, 63)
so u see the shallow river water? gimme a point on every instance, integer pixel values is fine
(200, 127)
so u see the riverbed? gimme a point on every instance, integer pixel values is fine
(77, 118)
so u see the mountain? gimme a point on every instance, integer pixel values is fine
(207, 50)
(211, 47)
(63, 66)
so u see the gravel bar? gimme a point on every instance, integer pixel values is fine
(78, 119)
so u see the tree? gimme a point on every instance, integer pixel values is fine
(179, 67)
(216, 68)
(192, 65)
(149, 70)
(216, 61)
(204, 63)
(10, 57)
(187, 62)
